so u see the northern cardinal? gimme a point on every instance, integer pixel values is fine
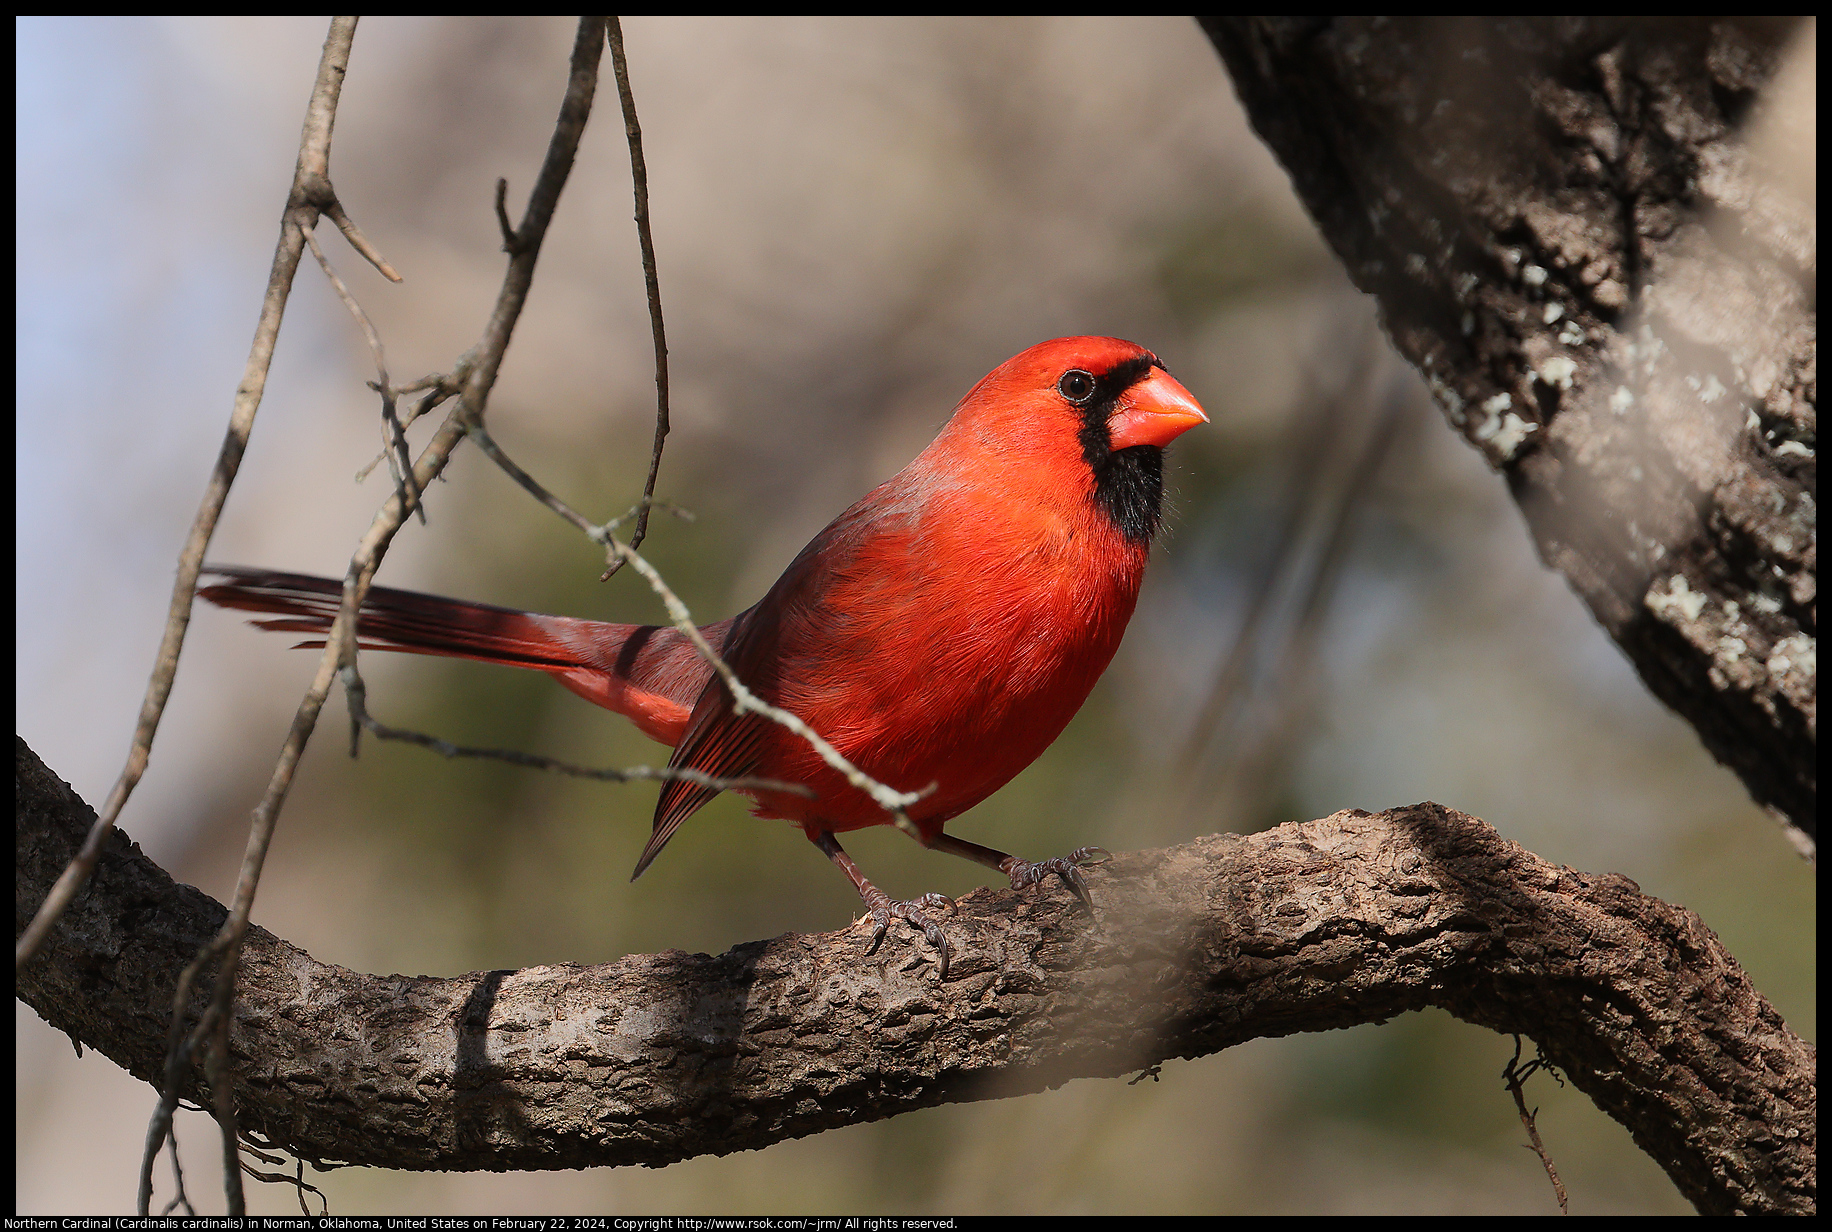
(943, 630)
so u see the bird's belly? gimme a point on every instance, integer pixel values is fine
(963, 708)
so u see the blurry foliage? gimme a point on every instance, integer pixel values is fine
(1218, 259)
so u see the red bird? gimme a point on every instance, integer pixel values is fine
(944, 630)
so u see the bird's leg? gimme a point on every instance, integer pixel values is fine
(883, 907)
(1028, 873)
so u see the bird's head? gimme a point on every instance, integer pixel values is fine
(1103, 403)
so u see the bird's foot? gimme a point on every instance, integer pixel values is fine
(1025, 873)
(884, 909)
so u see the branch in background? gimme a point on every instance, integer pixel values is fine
(439, 390)
(1613, 298)
(651, 1059)
(1237, 756)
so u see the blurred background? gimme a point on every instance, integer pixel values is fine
(854, 220)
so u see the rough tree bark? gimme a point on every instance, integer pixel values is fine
(1354, 918)
(1612, 299)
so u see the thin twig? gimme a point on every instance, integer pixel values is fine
(889, 799)
(394, 438)
(300, 1186)
(179, 1050)
(310, 193)
(253, 1138)
(1515, 1075)
(639, 175)
(511, 244)
(222, 1092)
(249, 1148)
(349, 301)
(533, 486)
(680, 511)
(356, 695)
(440, 389)
(358, 240)
(179, 1198)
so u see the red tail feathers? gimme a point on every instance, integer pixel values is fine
(648, 673)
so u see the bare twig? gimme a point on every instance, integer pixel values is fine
(356, 310)
(440, 389)
(680, 511)
(357, 695)
(394, 438)
(297, 1180)
(1515, 1075)
(639, 175)
(222, 1088)
(311, 193)
(889, 799)
(596, 533)
(510, 243)
(179, 1197)
(358, 240)
(180, 1049)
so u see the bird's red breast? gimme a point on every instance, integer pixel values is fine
(946, 628)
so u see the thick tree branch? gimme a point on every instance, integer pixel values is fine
(1354, 918)
(1568, 233)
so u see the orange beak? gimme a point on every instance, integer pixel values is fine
(1156, 411)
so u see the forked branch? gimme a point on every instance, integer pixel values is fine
(310, 196)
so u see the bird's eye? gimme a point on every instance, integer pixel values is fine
(1077, 386)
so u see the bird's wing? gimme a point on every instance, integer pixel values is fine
(719, 741)
(763, 643)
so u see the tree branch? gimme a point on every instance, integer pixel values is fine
(474, 381)
(1568, 235)
(311, 193)
(639, 177)
(655, 1058)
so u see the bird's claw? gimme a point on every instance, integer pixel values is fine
(912, 912)
(1026, 873)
